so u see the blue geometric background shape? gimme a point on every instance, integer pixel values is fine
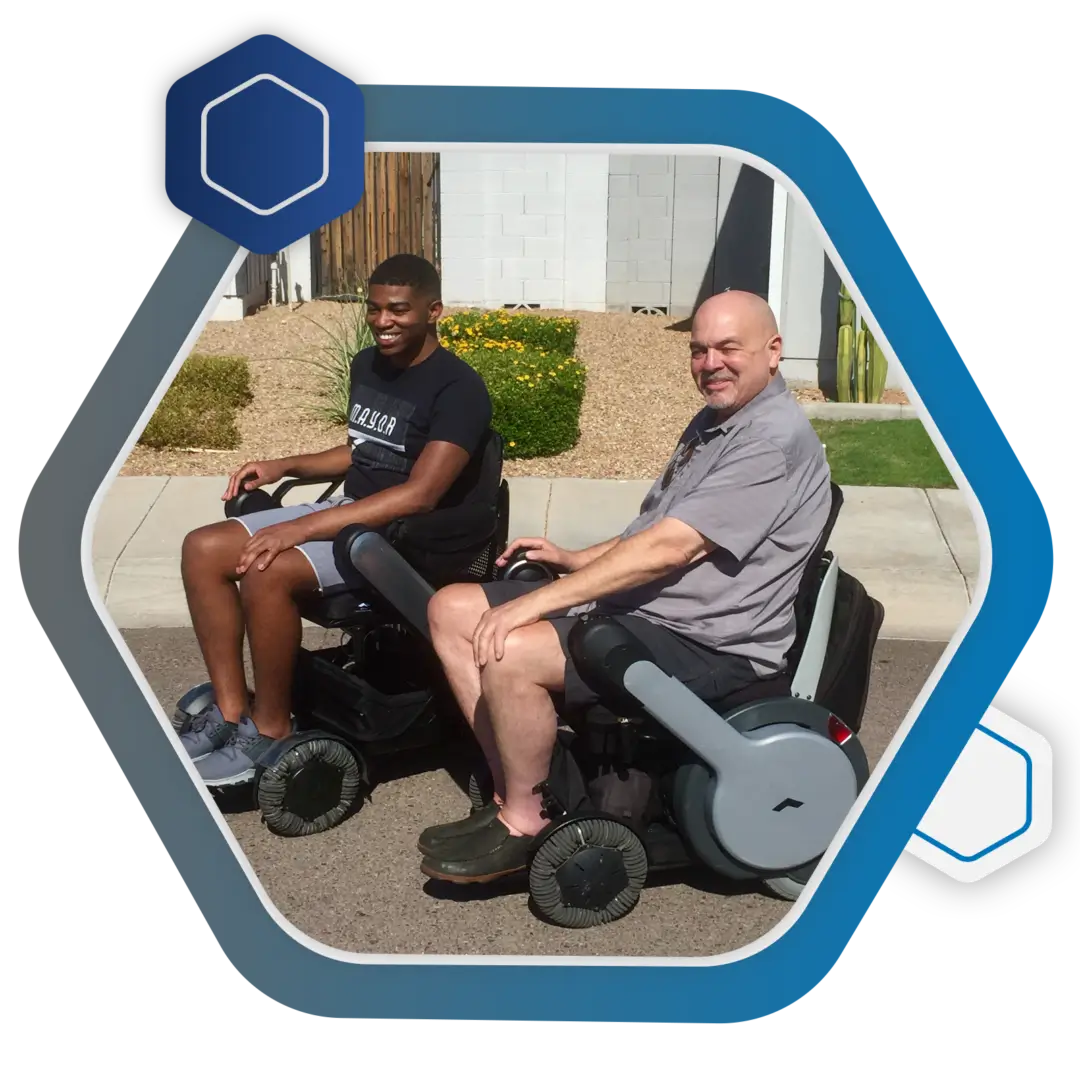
(932, 221)
(264, 144)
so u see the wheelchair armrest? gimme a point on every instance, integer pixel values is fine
(603, 650)
(333, 482)
(618, 667)
(365, 558)
(260, 499)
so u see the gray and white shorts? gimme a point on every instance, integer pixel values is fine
(319, 553)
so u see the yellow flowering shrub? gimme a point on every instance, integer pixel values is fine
(536, 385)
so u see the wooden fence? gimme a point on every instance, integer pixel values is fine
(398, 213)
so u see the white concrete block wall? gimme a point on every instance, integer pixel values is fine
(523, 228)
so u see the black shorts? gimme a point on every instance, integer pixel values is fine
(709, 674)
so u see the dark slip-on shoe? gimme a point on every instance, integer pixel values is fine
(481, 855)
(434, 839)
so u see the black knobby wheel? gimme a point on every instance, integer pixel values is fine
(311, 788)
(588, 872)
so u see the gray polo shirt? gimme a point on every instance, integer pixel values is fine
(757, 486)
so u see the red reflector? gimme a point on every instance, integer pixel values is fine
(839, 732)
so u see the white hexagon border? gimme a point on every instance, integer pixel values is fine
(265, 76)
(88, 688)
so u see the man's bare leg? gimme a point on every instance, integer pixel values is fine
(268, 602)
(517, 691)
(274, 628)
(208, 568)
(453, 613)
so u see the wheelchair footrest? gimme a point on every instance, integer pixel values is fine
(328, 694)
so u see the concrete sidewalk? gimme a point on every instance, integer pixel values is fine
(916, 551)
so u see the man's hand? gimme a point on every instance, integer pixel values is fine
(267, 544)
(540, 550)
(253, 474)
(496, 625)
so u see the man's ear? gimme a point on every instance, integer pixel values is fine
(776, 352)
(435, 311)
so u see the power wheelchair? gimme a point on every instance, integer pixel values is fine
(381, 689)
(753, 787)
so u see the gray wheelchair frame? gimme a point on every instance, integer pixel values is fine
(753, 787)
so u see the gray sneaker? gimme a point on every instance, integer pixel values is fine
(209, 731)
(234, 763)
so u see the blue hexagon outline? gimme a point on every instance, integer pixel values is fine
(1029, 781)
(204, 120)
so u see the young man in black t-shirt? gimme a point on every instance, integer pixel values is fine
(418, 416)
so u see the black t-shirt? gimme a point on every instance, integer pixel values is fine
(394, 413)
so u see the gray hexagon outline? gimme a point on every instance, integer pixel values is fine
(232, 194)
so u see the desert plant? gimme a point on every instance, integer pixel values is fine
(861, 366)
(347, 336)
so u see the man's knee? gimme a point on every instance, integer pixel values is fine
(214, 546)
(531, 654)
(455, 610)
(289, 575)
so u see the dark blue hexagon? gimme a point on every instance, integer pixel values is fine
(264, 144)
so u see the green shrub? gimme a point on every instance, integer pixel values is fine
(536, 386)
(535, 397)
(551, 334)
(201, 406)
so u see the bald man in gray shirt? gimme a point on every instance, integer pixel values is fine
(705, 577)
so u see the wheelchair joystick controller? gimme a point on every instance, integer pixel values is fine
(523, 569)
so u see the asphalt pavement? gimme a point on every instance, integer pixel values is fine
(359, 888)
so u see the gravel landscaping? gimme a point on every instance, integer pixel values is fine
(639, 396)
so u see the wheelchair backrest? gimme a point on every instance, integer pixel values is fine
(806, 599)
(837, 629)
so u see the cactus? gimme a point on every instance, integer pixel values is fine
(861, 366)
(845, 346)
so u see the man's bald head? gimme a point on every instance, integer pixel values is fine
(734, 349)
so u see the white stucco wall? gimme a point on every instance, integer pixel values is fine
(523, 228)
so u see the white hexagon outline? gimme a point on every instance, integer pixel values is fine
(1039, 754)
(292, 198)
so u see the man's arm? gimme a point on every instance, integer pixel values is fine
(590, 554)
(436, 469)
(663, 548)
(752, 478)
(332, 462)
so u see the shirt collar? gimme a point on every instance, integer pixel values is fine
(710, 428)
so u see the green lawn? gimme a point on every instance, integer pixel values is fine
(882, 453)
